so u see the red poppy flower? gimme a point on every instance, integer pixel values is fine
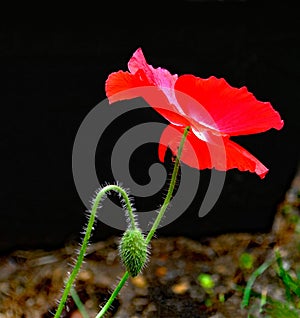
(213, 109)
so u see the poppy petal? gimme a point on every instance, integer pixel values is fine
(233, 111)
(223, 154)
(158, 77)
(124, 85)
(119, 85)
(155, 85)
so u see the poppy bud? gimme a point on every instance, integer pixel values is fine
(133, 251)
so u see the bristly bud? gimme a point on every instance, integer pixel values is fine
(133, 251)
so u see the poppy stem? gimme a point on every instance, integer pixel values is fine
(113, 295)
(171, 187)
(155, 224)
(87, 236)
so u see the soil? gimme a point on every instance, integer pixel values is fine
(31, 281)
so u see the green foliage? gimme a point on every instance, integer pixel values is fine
(270, 307)
(291, 285)
(279, 309)
(251, 280)
(206, 281)
(246, 261)
(221, 298)
(78, 303)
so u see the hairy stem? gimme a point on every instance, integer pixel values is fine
(87, 236)
(113, 295)
(155, 224)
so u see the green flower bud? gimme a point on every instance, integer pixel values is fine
(133, 251)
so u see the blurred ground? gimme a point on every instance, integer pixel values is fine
(31, 281)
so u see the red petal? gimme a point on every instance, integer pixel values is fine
(123, 85)
(222, 154)
(158, 77)
(240, 158)
(234, 111)
(156, 86)
(118, 85)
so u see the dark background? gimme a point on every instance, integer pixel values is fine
(53, 69)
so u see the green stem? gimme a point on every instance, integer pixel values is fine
(87, 236)
(155, 224)
(113, 295)
(171, 188)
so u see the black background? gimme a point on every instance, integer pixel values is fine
(54, 66)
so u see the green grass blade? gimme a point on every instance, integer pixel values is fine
(289, 283)
(251, 280)
(78, 303)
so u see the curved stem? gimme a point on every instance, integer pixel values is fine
(171, 187)
(155, 224)
(87, 236)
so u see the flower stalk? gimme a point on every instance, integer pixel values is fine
(156, 222)
(171, 187)
(87, 236)
(132, 227)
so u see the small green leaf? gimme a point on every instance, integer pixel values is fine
(246, 261)
(206, 281)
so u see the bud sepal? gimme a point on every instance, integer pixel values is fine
(133, 251)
